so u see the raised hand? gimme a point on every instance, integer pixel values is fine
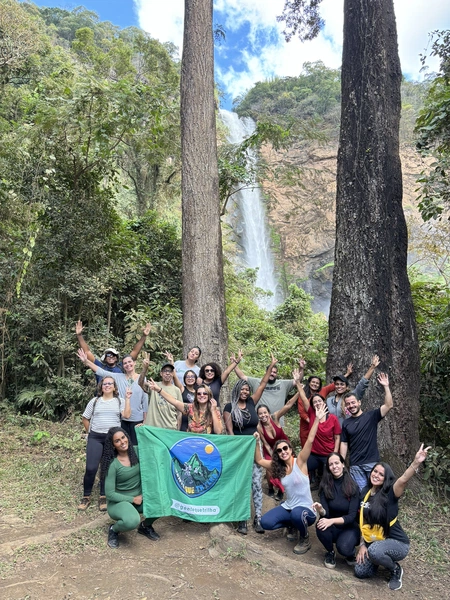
(273, 360)
(82, 355)
(213, 402)
(169, 356)
(296, 375)
(152, 385)
(383, 379)
(128, 393)
(321, 411)
(147, 329)
(375, 361)
(79, 327)
(302, 363)
(422, 454)
(349, 369)
(146, 360)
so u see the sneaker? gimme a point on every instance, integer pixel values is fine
(292, 534)
(303, 545)
(113, 538)
(102, 503)
(257, 525)
(242, 527)
(350, 560)
(85, 501)
(395, 582)
(330, 560)
(271, 493)
(148, 531)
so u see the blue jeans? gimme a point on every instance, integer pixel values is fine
(300, 517)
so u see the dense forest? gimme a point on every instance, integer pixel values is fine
(90, 198)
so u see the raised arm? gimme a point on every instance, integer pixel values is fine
(126, 413)
(237, 370)
(218, 424)
(388, 402)
(302, 458)
(82, 342)
(176, 381)
(260, 389)
(258, 457)
(233, 364)
(300, 370)
(280, 413)
(402, 481)
(170, 399)
(138, 347)
(301, 391)
(373, 365)
(82, 355)
(141, 381)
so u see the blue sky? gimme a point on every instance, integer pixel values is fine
(254, 49)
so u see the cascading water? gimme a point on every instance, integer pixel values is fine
(255, 235)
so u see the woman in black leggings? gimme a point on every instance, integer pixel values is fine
(102, 412)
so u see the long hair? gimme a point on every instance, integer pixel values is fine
(307, 389)
(215, 366)
(376, 514)
(236, 414)
(99, 390)
(199, 351)
(110, 453)
(349, 486)
(208, 412)
(278, 468)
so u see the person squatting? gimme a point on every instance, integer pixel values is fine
(356, 510)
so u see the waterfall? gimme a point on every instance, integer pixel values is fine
(254, 231)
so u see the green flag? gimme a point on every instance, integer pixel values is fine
(204, 478)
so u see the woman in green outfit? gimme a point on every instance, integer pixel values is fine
(122, 474)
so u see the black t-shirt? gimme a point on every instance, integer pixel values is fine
(360, 433)
(187, 396)
(249, 418)
(340, 505)
(396, 531)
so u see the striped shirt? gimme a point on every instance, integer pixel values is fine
(105, 415)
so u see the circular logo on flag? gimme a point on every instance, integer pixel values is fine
(196, 465)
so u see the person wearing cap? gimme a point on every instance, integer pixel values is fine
(342, 385)
(125, 381)
(109, 361)
(160, 412)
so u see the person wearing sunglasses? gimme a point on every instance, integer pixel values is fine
(203, 415)
(211, 374)
(110, 359)
(297, 509)
(104, 411)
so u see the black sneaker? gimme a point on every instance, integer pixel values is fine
(113, 538)
(257, 525)
(396, 579)
(271, 492)
(330, 560)
(242, 527)
(279, 496)
(351, 560)
(148, 531)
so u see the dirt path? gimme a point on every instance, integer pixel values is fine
(52, 561)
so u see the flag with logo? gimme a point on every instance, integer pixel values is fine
(204, 478)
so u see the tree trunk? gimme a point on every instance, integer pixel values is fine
(371, 307)
(204, 318)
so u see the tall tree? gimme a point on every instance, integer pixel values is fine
(203, 286)
(371, 307)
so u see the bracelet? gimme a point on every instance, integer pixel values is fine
(160, 390)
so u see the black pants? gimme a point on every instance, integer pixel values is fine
(129, 428)
(94, 451)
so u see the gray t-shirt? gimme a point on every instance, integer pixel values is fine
(181, 368)
(274, 395)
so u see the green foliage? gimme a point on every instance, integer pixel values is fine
(433, 129)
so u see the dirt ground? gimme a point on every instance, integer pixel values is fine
(50, 560)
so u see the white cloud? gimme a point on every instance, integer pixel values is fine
(264, 51)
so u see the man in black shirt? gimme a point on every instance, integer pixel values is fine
(359, 433)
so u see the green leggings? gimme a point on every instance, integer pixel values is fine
(126, 515)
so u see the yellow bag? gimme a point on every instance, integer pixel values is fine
(371, 533)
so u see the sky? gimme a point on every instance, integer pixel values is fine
(254, 49)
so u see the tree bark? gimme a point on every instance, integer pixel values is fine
(371, 306)
(204, 318)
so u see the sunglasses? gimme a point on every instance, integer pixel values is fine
(107, 383)
(202, 394)
(110, 355)
(282, 449)
(209, 371)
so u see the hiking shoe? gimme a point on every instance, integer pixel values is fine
(330, 560)
(395, 582)
(350, 560)
(102, 503)
(148, 531)
(242, 527)
(271, 493)
(292, 534)
(113, 538)
(257, 525)
(303, 545)
(85, 501)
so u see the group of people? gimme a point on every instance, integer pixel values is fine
(357, 507)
